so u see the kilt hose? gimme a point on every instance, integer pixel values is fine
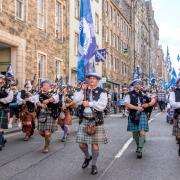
(4, 118)
(83, 138)
(176, 126)
(49, 125)
(142, 125)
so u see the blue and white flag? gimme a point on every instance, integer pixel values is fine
(178, 58)
(9, 72)
(165, 85)
(173, 78)
(137, 73)
(61, 83)
(87, 40)
(100, 55)
(152, 79)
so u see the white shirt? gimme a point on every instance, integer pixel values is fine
(35, 98)
(173, 103)
(99, 105)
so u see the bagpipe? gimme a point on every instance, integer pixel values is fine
(29, 105)
(52, 107)
(3, 94)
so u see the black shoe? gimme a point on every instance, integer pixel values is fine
(139, 154)
(0, 147)
(26, 138)
(86, 162)
(94, 170)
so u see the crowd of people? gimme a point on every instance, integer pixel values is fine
(48, 106)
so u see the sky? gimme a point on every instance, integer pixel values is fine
(167, 15)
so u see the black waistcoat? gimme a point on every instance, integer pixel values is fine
(96, 93)
(143, 99)
(177, 99)
(177, 94)
(3, 93)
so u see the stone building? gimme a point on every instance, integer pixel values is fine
(153, 37)
(34, 38)
(74, 17)
(141, 39)
(117, 41)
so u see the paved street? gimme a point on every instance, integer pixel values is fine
(23, 160)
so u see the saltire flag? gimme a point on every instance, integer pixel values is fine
(137, 74)
(100, 55)
(61, 83)
(178, 58)
(165, 85)
(87, 39)
(173, 78)
(152, 79)
(9, 72)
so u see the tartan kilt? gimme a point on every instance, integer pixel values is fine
(49, 125)
(143, 124)
(83, 138)
(176, 127)
(4, 118)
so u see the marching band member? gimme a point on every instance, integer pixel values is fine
(6, 96)
(138, 121)
(174, 100)
(27, 110)
(65, 118)
(47, 112)
(93, 101)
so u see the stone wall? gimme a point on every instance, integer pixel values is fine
(31, 40)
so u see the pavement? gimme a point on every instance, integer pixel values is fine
(21, 160)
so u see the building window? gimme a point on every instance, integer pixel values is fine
(110, 37)
(41, 14)
(77, 9)
(112, 63)
(96, 23)
(58, 68)
(107, 35)
(20, 9)
(59, 20)
(41, 66)
(76, 43)
(110, 12)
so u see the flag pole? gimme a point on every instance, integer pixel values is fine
(84, 82)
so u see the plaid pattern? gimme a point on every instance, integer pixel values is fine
(98, 138)
(176, 127)
(143, 124)
(4, 119)
(49, 125)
